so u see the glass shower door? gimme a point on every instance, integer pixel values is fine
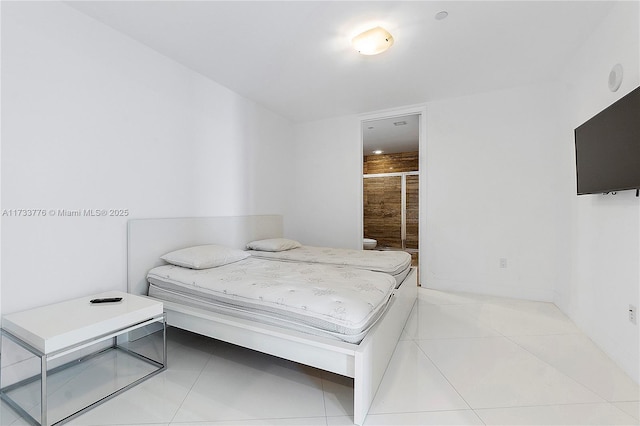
(391, 209)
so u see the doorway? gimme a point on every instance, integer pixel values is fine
(391, 183)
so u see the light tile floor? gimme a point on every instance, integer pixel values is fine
(462, 360)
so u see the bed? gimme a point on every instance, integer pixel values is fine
(365, 362)
(395, 263)
(336, 302)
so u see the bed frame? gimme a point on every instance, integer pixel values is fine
(365, 362)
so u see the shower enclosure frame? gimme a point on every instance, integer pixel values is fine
(403, 202)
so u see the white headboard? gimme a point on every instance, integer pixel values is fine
(148, 239)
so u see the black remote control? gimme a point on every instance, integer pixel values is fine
(106, 300)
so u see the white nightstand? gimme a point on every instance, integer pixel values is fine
(60, 329)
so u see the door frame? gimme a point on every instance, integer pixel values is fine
(421, 111)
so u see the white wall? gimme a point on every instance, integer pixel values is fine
(93, 120)
(0, 166)
(605, 229)
(324, 201)
(493, 192)
(501, 184)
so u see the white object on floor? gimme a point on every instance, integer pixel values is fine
(369, 243)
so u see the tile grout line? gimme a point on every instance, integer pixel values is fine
(324, 401)
(507, 338)
(607, 403)
(578, 332)
(510, 338)
(415, 342)
(576, 381)
(190, 389)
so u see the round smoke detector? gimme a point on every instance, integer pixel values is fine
(441, 15)
(615, 77)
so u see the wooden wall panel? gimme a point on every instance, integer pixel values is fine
(382, 200)
(412, 210)
(383, 210)
(391, 163)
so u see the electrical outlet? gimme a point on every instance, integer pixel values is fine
(503, 262)
(632, 314)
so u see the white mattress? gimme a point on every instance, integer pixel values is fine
(329, 300)
(392, 262)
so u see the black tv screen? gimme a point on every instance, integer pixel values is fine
(608, 148)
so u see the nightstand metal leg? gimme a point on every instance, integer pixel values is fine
(164, 339)
(111, 337)
(43, 390)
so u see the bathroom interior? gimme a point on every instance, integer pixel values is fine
(391, 184)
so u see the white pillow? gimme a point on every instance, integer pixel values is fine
(203, 257)
(274, 244)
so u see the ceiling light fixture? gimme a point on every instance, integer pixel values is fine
(373, 41)
(378, 151)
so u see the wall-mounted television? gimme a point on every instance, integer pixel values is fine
(608, 148)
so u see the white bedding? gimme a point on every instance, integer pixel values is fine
(393, 262)
(339, 301)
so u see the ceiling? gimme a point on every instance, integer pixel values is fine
(295, 58)
(391, 135)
